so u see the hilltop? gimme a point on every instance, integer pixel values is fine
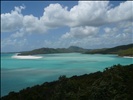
(52, 50)
(123, 50)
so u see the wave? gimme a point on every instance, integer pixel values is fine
(26, 57)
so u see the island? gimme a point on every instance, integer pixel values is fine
(71, 49)
(122, 50)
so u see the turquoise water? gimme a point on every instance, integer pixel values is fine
(17, 74)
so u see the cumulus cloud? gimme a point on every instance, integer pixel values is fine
(32, 24)
(95, 22)
(12, 21)
(107, 29)
(99, 13)
(90, 13)
(13, 44)
(101, 41)
(55, 15)
(106, 37)
(81, 32)
(18, 34)
(121, 13)
(86, 13)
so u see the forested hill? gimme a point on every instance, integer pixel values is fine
(114, 83)
(52, 50)
(123, 50)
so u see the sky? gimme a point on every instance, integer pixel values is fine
(28, 25)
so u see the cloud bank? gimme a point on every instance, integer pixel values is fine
(91, 21)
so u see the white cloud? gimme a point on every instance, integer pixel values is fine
(13, 44)
(81, 32)
(107, 30)
(89, 13)
(86, 13)
(121, 13)
(32, 24)
(19, 9)
(128, 30)
(55, 15)
(85, 21)
(125, 24)
(18, 34)
(101, 41)
(97, 13)
(12, 21)
(111, 36)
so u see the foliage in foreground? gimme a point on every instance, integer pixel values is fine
(114, 83)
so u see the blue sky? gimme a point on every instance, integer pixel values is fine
(27, 25)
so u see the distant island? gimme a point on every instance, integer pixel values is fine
(123, 50)
(114, 83)
(52, 50)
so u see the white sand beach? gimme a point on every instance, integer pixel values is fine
(26, 57)
(127, 57)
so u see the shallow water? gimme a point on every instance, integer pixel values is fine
(17, 74)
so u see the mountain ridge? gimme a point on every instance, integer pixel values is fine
(52, 50)
(122, 50)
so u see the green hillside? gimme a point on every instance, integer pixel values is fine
(114, 83)
(120, 50)
(123, 50)
(43, 51)
(76, 49)
(51, 50)
(128, 52)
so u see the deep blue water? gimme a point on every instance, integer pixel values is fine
(17, 74)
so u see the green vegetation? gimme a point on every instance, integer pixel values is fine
(77, 49)
(124, 50)
(43, 51)
(114, 83)
(51, 50)
(128, 52)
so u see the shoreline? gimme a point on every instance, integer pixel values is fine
(38, 57)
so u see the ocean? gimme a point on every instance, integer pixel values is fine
(21, 72)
